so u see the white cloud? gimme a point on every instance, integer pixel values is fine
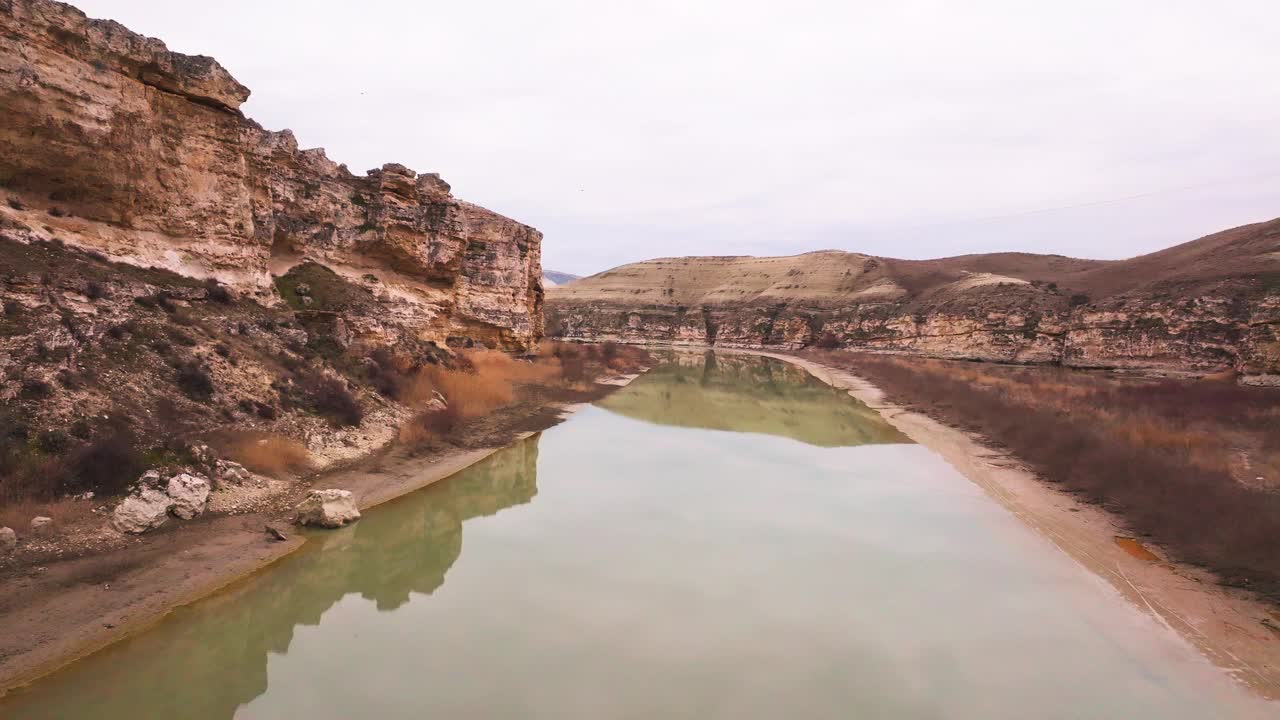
(628, 130)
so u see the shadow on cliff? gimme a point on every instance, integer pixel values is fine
(208, 660)
(742, 393)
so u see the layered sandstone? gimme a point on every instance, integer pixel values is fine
(1208, 305)
(113, 143)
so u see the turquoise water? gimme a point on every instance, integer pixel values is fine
(731, 540)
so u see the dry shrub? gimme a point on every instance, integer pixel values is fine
(65, 512)
(430, 425)
(105, 465)
(329, 397)
(572, 358)
(498, 365)
(472, 394)
(389, 372)
(194, 380)
(418, 389)
(485, 381)
(269, 454)
(1158, 453)
(581, 361)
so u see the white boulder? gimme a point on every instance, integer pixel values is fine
(8, 540)
(328, 508)
(146, 509)
(189, 495)
(232, 472)
(39, 522)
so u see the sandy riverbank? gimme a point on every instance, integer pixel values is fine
(1230, 627)
(55, 614)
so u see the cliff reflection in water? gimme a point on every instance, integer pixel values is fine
(406, 546)
(752, 394)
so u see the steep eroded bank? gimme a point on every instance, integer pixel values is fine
(1208, 305)
(113, 143)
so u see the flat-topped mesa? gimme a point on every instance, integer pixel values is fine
(112, 142)
(1208, 305)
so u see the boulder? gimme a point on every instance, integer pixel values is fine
(436, 403)
(8, 540)
(205, 459)
(146, 509)
(328, 508)
(233, 472)
(189, 495)
(39, 522)
(151, 479)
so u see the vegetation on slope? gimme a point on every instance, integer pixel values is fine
(108, 369)
(1193, 464)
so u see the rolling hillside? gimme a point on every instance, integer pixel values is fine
(1209, 304)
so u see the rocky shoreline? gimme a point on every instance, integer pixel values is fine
(1231, 627)
(57, 611)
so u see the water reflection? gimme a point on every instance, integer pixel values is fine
(402, 548)
(670, 572)
(748, 393)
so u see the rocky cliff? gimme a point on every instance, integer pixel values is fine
(112, 143)
(170, 271)
(1208, 305)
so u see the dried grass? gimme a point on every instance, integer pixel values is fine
(268, 454)
(65, 512)
(430, 425)
(488, 381)
(1166, 454)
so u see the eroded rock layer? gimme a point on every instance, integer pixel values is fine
(111, 142)
(1208, 305)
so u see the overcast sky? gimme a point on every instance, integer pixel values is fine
(925, 128)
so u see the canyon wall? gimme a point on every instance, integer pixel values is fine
(112, 143)
(1209, 305)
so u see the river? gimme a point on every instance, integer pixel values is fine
(726, 537)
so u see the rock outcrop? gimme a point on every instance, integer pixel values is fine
(190, 495)
(8, 540)
(147, 508)
(1204, 306)
(328, 508)
(231, 472)
(112, 143)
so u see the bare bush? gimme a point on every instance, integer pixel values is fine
(37, 472)
(430, 425)
(267, 453)
(472, 394)
(194, 380)
(329, 397)
(1163, 454)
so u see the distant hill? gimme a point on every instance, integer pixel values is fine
(1208, 304)
(553, 278)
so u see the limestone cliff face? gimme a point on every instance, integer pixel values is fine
(111, 142)
(1208, 305)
